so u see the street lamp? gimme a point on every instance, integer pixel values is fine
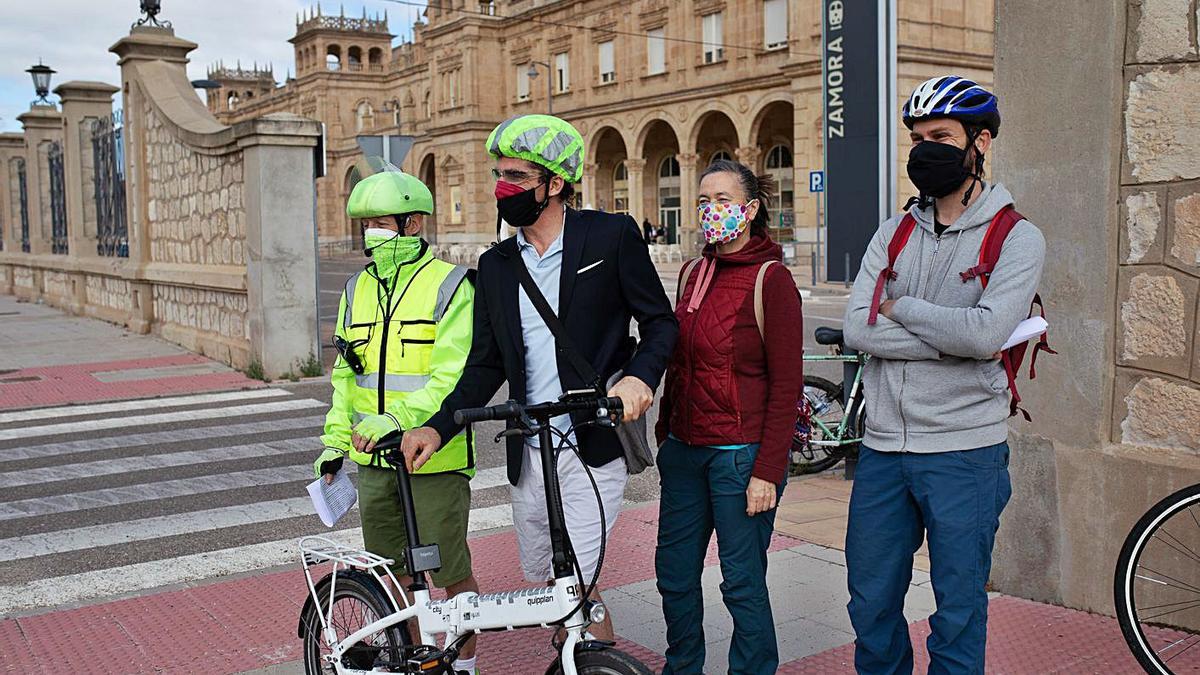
(533, 75)
(151, 8)
(41, 81)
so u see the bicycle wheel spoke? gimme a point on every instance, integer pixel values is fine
(1191, 605)
(1163, 583)
(1193, 515)
(1176, 654)
(1182, 584)
(1178, 546)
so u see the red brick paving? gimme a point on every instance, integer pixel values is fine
(63, 385)
(232, 626)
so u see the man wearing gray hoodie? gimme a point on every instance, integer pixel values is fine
(934, 461)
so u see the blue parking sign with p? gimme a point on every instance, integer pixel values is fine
(816, 181)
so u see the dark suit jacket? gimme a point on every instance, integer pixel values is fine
(596, 308)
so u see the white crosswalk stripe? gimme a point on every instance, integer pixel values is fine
(172, 492)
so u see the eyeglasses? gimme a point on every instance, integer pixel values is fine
(513, 176)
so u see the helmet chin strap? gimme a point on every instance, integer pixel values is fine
(977, 170)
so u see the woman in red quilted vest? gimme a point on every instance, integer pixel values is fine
(725, 427)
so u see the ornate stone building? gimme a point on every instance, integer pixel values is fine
(658, 88)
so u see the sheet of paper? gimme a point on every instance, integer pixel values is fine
(1026, 330)
(334, 500)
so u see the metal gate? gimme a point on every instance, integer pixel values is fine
(23, 195)
(58, 200)
(108, 154)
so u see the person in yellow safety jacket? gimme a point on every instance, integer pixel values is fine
(403, 332)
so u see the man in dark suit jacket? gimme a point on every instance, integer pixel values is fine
(594, 270)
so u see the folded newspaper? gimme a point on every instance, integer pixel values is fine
(1026, 330)
(334, 500)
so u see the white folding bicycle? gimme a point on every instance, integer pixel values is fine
(354, 623)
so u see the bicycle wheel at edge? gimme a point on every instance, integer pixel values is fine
(1157, 540)
(366, 602)
(805, 460)
(606, 661)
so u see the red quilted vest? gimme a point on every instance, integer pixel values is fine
(717, 379)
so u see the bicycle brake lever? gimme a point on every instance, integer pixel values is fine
(508, 433)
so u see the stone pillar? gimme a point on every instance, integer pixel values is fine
(82, 103)
(42, 124)
(589, 186)
(144, 46)
(281, 274)
(689, 236)
(749, 156)
(635, 170)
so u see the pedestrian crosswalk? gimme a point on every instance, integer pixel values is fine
(115, 498)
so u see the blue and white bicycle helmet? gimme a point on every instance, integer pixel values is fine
(954, 97)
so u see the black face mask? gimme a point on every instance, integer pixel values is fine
(522, 209)
(937, 169)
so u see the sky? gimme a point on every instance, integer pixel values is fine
(73, 37)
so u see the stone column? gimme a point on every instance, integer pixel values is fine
(82, 103)
(749, 156)
(689, 236)
(42, 123)
(144, 46)
(589, 185)
(635, 169)
(281, 274)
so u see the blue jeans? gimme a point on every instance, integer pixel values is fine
(704, 489)
(954, 498)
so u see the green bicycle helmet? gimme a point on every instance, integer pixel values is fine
(545, 140)
(389, 193)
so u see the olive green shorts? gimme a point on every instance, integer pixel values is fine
(443, 504)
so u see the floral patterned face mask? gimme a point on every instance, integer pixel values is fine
(722, 223)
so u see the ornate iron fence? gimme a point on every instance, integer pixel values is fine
(108, 154)
(23, 196)
(58, 200)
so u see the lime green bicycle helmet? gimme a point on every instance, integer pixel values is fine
(547, 141)
(389, 193)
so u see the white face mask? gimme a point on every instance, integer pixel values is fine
(380, 232)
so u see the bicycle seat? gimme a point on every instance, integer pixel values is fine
(828, 336)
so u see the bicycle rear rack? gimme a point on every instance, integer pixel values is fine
(316, 549)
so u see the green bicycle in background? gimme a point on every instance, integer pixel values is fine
(829, 425)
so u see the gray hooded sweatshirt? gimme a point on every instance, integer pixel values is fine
(932, 384)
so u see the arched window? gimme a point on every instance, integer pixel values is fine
(249, 95)
(669, 168)
(333, 57)
(375, 56)
(428, 107)
(232, 101)
(721, 154)
(364, 116)
(780, 157)
(620, 173)
(354, 58)
(394, 106)
(620, 188)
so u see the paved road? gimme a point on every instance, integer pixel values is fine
(117, 498)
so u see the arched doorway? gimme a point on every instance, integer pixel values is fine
(773, 131)
(612, 176)
(428, 175)
(716, 138)
(662, 191)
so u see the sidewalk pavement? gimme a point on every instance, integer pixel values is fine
(248, 624)
(52, 358)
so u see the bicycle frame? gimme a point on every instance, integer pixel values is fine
(854, 402)
(539, 606)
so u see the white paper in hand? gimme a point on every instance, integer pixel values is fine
(1026, 330)
(334, 500)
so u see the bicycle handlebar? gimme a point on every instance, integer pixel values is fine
(512, 410)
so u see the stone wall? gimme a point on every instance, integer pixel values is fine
(195, 203)
(221, 232)
(1115, 186)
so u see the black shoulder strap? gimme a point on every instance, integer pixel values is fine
(557, 329)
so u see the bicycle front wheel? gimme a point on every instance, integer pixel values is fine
(358, 601)
(1156, 587)
(822, 401)
(606, 661)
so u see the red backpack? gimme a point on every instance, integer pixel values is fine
(989, 253)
